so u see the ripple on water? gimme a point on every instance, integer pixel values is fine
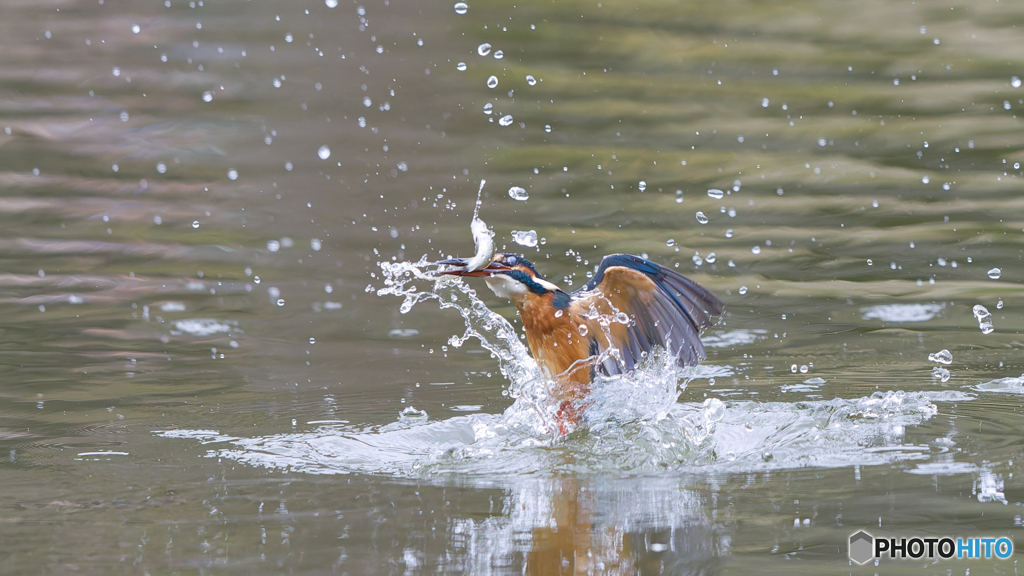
(902, 312)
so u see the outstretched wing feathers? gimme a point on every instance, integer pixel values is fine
(664, 309)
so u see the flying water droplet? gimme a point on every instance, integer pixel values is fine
(488, 108)
(461, 66)
(505, 120)
(642, 185)
(942, 357)
(925, 180)
(498, 54)
(671, 242)
(161, 167)
(461, 8)
(331, 3)
(728, 233)
(531, 80)
(208, 96)
(483, 49)
(526, 238)
(324, 152)
(492, 82)
(702, 218)
(756, 249)
(584, 330)
(940, 373)
(1015, 82)
(232, 174)
(710, 258)
(136, 29)
(743, 290)
(995, 273)
(984, 319)
(517, 193)
(195, 223)
(715, 193)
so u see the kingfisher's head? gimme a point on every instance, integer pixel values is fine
(508, 276)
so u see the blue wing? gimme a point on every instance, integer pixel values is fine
(664, 309)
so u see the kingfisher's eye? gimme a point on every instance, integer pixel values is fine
(512, 261)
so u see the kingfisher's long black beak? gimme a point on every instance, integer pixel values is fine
(458, 268)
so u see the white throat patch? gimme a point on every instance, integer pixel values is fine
(505, 287)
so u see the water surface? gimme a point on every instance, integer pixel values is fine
(201, 377)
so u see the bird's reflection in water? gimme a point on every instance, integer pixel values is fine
(564, 526)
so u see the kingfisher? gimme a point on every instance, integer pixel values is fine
(630, 307)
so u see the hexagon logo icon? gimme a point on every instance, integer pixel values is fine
(861, 547)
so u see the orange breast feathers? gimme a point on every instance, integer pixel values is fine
(555, 340)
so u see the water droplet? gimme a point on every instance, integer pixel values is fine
(124, 116)
(697, 260)
(232, 174)
(498, 54)
(621, 318)
(558, 313)
(505, 120)
(984, 319)
(941, 373)
(702, 218)
(288, 166)
(461, 7)
(488, 108)
(715, 193)
(136, 29)
(161, 167)
(315, 244)
(461, 66)
(756, 249)
(942, 357)
(531, 80)
(804, 369)
(670, 242)
(288, 38)
(280, 301)
(312, 340)
(999, 305)
(764, 103)
(331, 3)
(743, 290)
(642, 185)
(492, 82)
(526, 238)
(483, 49)
(925, 180)
(1015, 82)
(324, 152)
(273, 245)
(195, 223)
(410, 413)
(158, 220)
(793, 368)
(995, 273)
(276, 82)
(517, 193)
(547, 127)
(728, 233)
(714, 410)
(710, 258)
(208, 96)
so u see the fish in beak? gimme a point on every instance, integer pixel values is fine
(461, 267)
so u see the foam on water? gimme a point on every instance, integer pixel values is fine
(633, 423)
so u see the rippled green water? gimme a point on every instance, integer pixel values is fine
(199, 376)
